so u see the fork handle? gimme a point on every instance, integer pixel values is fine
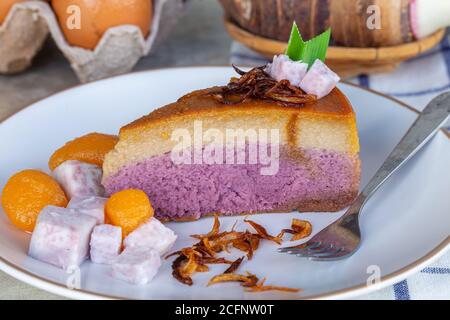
(424, 128)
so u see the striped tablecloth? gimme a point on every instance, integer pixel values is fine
(415, 82)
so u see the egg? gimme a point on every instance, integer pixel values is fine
(84, 22)
(5, 6)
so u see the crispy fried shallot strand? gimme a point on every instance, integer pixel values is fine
(197, 257)
(256, 83)
(260, 287)
(234, 266)
(262, 232)
(250, 282)
(299, 229)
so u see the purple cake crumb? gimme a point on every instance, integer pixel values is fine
(191, 191)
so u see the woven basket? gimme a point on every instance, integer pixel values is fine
(346, 61)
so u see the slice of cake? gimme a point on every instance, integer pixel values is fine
(318, 166)
(280, 138)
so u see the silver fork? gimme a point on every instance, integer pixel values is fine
(342, 238)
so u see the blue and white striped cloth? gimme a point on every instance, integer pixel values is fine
(415, 82)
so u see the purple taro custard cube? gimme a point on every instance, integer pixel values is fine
(106, 242)
(61, 237)
(320, 80)
(283, 68)
(136, 265)
(90, 205)
(79, 179)
(152, 234)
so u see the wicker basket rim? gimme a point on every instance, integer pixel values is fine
(269, 47)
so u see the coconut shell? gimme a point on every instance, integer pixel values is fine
(116, 53)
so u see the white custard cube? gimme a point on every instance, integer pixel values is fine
(79, 179)
(320, 80)
(90, 205)
(283, 68)
(152, 234)
(106, 242)
(61, 237)
(136, 265)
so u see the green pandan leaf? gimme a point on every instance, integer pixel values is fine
(307, 51)
(296, 44)
(316, 48)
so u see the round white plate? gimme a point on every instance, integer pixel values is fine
(405, 226)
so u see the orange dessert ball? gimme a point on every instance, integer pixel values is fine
(90, 148)
(97, 16)
(26, 193)
(128, 209)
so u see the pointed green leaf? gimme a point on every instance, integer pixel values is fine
(316, 48)
(295, 46)
(309, 51)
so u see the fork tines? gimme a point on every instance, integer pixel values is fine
(314, 250)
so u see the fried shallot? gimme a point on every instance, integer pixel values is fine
(257, 84)
(206, 251)
(299, 229)
(249, 281)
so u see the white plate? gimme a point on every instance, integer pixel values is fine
(405, 226)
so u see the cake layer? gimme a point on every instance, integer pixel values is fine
(328, 123)
(306, 180)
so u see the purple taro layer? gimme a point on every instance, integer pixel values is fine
(320, 181)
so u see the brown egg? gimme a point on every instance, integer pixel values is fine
(97, 16)
(5, 6)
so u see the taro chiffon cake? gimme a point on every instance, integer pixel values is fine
(318, 167)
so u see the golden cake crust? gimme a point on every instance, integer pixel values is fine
(202, 102)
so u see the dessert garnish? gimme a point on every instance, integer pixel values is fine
(303, 64)
(105, 244)
(260, 287)
(128, 209)
(71, 221)
(250, 282)
(298, 77)
(258, 84)
(195, 259)
(234, 266)
(90, 205)
(262, 232)
(28, 192)
(136, 265)
(307, 51)
(61, 237)
(90, 148)
(79, 179)
(152, 234)
(299, 229)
